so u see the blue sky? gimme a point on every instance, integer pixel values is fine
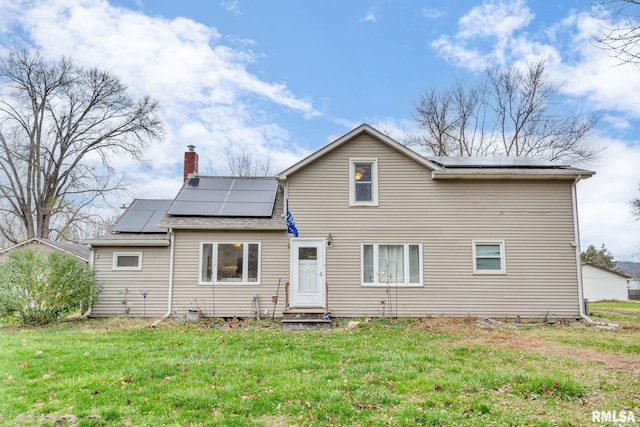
(282, 78)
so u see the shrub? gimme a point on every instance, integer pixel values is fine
(37, 287)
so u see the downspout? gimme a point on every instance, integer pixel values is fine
(170, 292)
(576, 234)
(88, 312)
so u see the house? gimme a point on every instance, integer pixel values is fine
(81, 252)
(603, 284)
(383, 231)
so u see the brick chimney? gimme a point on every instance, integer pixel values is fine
(190, 163)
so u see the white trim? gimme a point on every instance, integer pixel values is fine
(576, 244)
(374, 181)
(127, 242)
(503, 259)
(407, 267)
(493, 173)
(245, 264)
(116, 255)
(295, 301)
(363, 128)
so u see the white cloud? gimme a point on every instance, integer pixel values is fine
(432, 13)
(605, 212)
(208, 96)
(231, 6)
(494, 22)
(495, 33)
(370, 16)
(499, 19)
(600, 79)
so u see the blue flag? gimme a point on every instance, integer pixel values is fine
(291, 224)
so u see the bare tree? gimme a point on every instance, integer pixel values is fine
(60, 126)
(509, 113)
(454, 120)
(635, 208)
(244, 164)
(623, 38)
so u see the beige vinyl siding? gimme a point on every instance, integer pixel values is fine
(225, 300)
(154, 278)
(534, 218)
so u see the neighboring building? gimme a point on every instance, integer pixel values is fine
(603, 284)
(383, 231)
(81, 252)
(633, 287)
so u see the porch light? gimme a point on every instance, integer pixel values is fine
(329, 240)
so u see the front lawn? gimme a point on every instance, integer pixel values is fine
(121, 372)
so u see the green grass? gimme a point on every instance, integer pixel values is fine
(120, 372)
(627, 313)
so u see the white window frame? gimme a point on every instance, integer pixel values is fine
(116, 255)
(503, 259)
(245, 265)
(374, 182)
(381, 282)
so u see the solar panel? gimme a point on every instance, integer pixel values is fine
(494, 162)
(142, 216)
(227, 197)
(201, 208)
(207, 183)
(246, 209)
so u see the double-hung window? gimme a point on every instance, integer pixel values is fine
(127, 260)
(231, 263)
(394, 265)
(363, 182)
(488, 257)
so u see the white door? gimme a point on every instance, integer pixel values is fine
(307, 273)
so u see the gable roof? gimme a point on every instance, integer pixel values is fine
(79, 251)
(617, 273)
(363, 128)
(454, 167)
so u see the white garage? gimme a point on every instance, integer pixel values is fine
(602, 284)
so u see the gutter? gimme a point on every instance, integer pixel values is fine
(127, 242)
(576, 244)
(170, 293)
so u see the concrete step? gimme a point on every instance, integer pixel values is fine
(304, 324)
(306, 318)
(306, 313)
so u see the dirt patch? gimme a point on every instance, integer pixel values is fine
(614, 361)
(507, 336)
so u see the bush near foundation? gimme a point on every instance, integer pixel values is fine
(38, 287)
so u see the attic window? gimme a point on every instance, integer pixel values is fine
(363, 182)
